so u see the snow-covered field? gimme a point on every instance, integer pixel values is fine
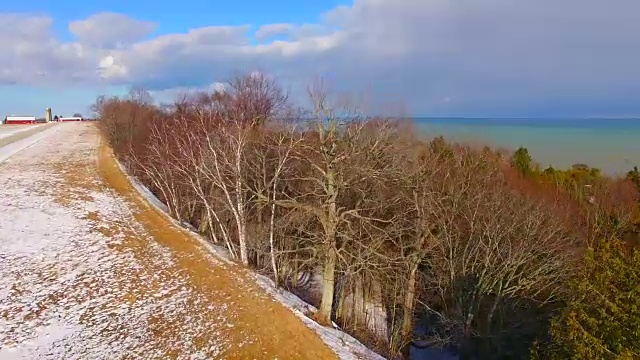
(87, 272)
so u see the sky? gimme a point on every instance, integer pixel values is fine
(490, 58)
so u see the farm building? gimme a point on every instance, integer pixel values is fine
(20, 120)
(62, 119)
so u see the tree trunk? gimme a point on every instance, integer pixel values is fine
(225, 236)
(294, 265)
(242, 240)
(361, 306)
(330, 229)
(212, 231)
(241, 225)
(341, 306)
(328, 274)
(240, 208)
(205, 220)
(272, 251)
(406, 332)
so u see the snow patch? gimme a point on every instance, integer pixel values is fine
(46, 337)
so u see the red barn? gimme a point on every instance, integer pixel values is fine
(20, 120)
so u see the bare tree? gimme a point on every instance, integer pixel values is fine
(397, 228)
(332, 150)
(140, 95)
(223, 127)
(424, 176)
(271, 160)
(158, 166)
(496, 253)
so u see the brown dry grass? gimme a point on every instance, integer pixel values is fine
(279, 332)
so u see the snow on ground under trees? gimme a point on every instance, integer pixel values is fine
(89, 271)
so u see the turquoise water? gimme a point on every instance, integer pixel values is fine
(609, 144)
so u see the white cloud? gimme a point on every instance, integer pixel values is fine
(110, 68)
(31, 54)
(32, 28)
(270, 30)
(168, 96)
(108, 30)
(217, 35)
(493, 56)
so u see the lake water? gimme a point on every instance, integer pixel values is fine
(612, 145)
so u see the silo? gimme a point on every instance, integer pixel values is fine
(47, 115)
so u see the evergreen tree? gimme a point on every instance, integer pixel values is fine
(603, 320)
(521, 160)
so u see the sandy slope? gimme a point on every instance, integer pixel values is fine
(89, 271)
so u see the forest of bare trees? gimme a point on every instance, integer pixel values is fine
(376, 226)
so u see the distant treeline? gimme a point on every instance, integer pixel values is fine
(502, 259)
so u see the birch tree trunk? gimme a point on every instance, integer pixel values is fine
(240, 209)
(272, 252)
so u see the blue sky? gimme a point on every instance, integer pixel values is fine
(496, 58)
(178, 16)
